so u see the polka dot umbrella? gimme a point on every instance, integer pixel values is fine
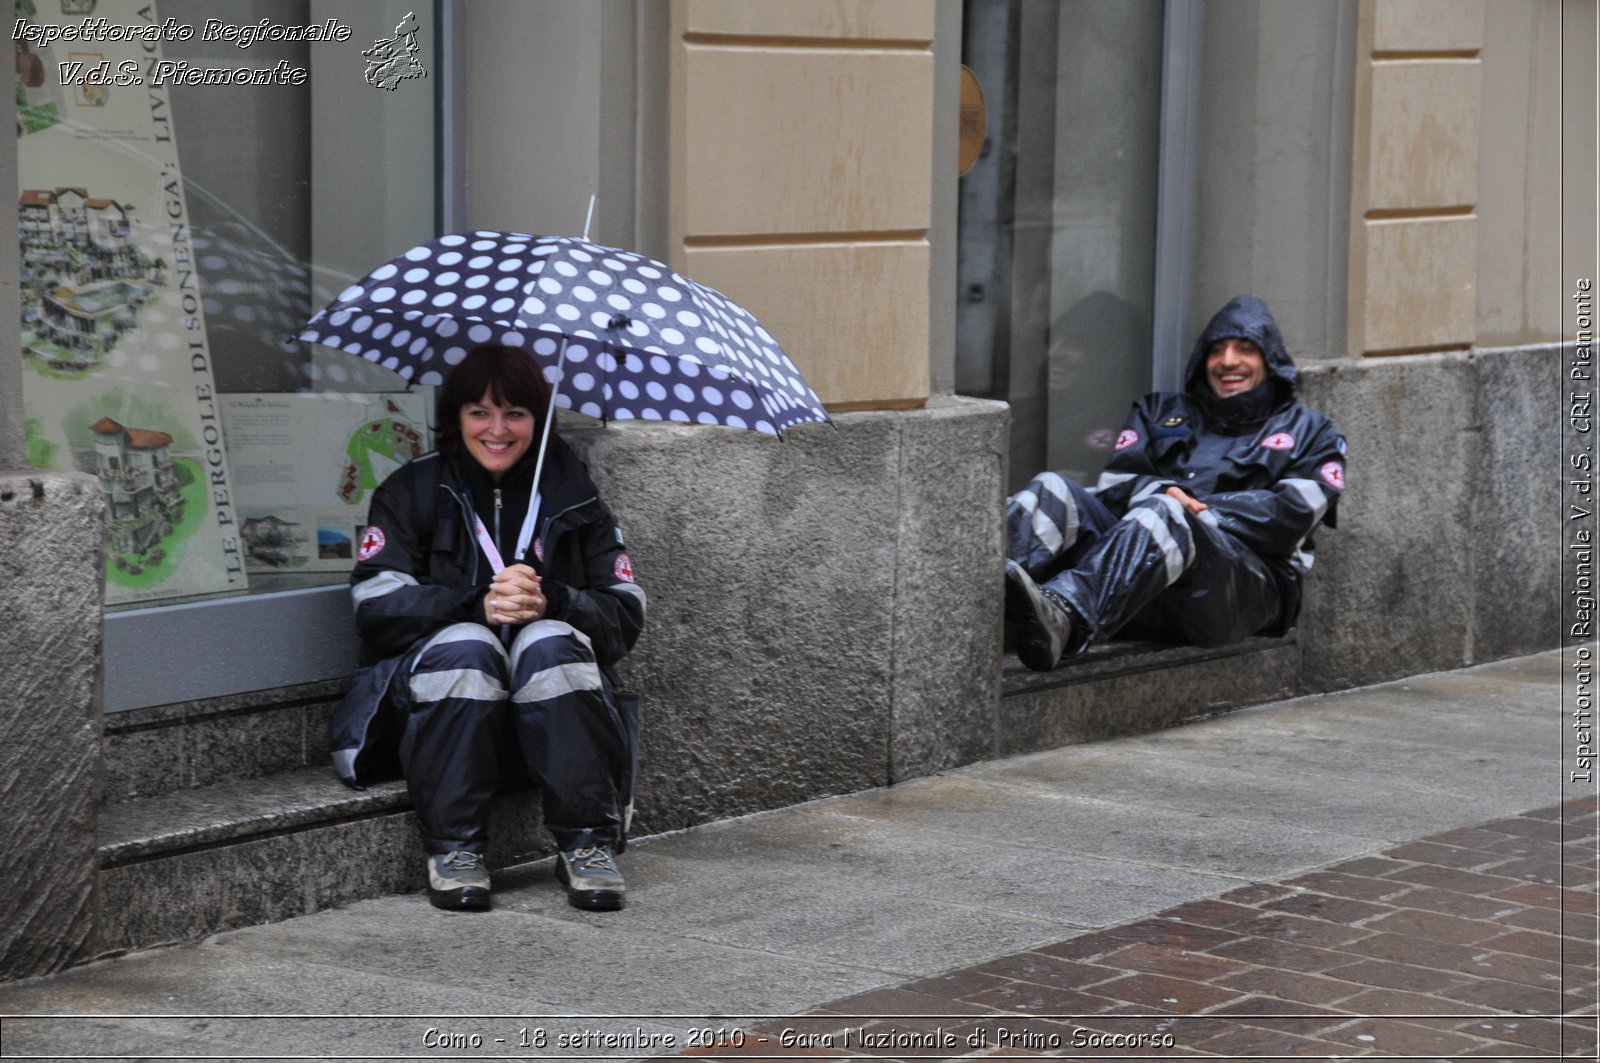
(620, 336)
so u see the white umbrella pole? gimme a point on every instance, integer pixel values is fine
(526, 534)
(587, 218)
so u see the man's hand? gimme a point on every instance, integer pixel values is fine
(514, 597)
(1186, 500)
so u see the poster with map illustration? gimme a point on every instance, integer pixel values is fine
(305, 467)
(117, 378)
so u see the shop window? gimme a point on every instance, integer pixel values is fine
(1057, 260)
(195, 180)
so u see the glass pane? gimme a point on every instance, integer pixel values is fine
(181, 219)
(1058, 223)
(1102, 255)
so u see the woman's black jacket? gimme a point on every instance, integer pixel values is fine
(420, 569)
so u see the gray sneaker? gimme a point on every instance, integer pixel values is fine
(592, 879)
(458, 882)
(1039, 618)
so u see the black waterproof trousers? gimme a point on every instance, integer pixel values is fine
(475, 716)
(1157, 572)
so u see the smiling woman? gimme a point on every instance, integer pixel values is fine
(488, 639)
(492, 406)
(496, 436)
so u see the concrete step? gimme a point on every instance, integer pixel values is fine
(225, 814)
(168, 748)
(1128, 687)
(180, 866)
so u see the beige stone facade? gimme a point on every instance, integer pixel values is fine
(1414, 193)
(801, 157)
(1457, 215)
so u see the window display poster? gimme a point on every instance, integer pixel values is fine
(117, 377)
(305, 466)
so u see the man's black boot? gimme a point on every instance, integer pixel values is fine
(1038, 618)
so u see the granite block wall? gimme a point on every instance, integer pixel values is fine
(1446, 550)
(823, 610)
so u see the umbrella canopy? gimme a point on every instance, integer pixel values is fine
(620, 336)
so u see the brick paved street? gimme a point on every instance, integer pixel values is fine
(1478, 943)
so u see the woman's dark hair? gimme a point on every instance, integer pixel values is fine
(508, 375)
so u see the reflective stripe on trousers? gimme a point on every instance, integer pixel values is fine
(472, 711)
(1159, 571)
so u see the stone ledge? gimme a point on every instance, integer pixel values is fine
(209, 815)
(184, 896)
(1133, 687)
(139, 827)
(308, 799)
(1125, 657)
(165, 749)
(156, 716)
(181, 866)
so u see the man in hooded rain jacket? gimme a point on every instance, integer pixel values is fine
(1199, 529)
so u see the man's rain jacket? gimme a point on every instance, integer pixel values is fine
(1268, 469)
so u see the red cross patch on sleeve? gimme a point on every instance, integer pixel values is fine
(1333, 473)
(623, 568)
(1127, 439)
(1279, 441)
(372, 543)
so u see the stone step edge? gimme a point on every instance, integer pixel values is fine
(198, 818)
(1115, 659)
(271, 699)
(1106, 660)
(188, 820)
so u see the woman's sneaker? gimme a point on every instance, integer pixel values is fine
(592, 879)
(458, 882)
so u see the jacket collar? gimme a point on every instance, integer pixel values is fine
(564, 479)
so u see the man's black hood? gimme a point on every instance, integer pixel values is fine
(1245, 317)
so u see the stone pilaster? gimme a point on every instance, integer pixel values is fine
(51, 590)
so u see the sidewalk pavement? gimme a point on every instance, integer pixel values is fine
(1396, 871)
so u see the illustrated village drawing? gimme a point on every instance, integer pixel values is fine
(143, 500)
(118, 379)
(120, 336)
(84, 277)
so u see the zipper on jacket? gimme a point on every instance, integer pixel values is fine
(497, 518)
(466, 515)
(550, 522)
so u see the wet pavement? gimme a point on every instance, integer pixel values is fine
(1478, 942)
(1398, 871)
